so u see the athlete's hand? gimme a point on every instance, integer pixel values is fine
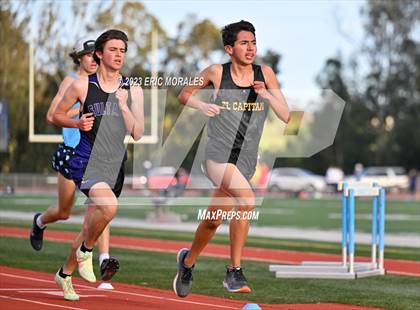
(261, 90)
(86, 122)
(122, 95)
(211, 109)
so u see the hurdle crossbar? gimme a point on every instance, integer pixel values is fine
(348, 268)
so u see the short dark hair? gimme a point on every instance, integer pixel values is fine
(230, 32)
(113, 34)
(76, 60)
(82, 47)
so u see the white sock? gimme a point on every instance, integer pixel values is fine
(103, 256)
(39, 222)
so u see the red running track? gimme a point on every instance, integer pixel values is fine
(392, 266)
(22, 289)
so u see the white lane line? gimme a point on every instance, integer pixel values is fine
(40, 289)
(132, 294)
(29, 289)
(60, 293)
(176, 300)
(389, 216)
(25, 278)
(40, 303)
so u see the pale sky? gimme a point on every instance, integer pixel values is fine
(305, 33)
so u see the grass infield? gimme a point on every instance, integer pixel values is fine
(269, 243)
(325, 214)
(157, 270)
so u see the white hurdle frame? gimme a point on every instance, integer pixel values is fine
(348, 268)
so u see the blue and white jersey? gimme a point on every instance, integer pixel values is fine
(71, 136)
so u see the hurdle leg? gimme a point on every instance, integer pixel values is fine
(351, 231)
(344, 226)
(381, 227)
(374, 228)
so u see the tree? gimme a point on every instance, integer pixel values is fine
(13, 85)
(393, 82)
(193, 46)
(56, 35)
(271, 59)
(353, 137)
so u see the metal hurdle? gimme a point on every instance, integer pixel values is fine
(348, 268)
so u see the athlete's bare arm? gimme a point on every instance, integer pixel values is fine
(210, 76)
(76, 92)
(73, 112)
(134, 116)
(65, 84)
(270, 90)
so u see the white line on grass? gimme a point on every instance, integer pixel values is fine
(389, 216)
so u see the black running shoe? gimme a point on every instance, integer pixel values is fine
(183, 279)
(235, 281)
(37, 234)
(109, 267)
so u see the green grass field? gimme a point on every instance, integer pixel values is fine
(269, 243)
(401, 216)
(158, 269)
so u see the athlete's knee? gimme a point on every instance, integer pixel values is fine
(246, 208)
(213, 224)
(109, 211)
(246, 202)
